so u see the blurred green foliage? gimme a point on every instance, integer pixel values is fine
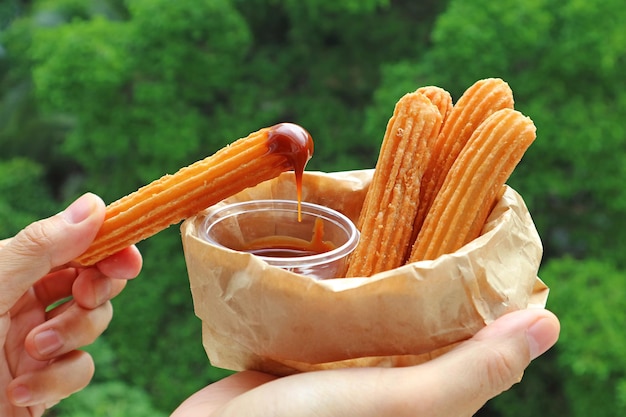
(25, 195)
(589, 364)
(107, 95)
(110, 399)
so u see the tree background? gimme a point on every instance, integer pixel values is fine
(107, 95)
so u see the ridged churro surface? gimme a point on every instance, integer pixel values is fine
(473, 183)
(248, 161)
(391, 201)
(440, 98)
(477, 103)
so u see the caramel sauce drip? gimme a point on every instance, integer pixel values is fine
(289, 247)
(296, 145)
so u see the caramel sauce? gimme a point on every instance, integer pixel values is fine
(290, 247)
(296, 144)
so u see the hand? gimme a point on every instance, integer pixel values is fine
(49, 307)
(457, 383)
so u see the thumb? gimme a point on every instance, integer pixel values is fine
(47, 244)
(457, 383)
(491, 362)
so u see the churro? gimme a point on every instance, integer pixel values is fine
(440, 98)
(473, 182)
(391, 201)
(477, 103)
(260, 156)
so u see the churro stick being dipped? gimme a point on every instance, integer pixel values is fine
(474, 181)
(477, 103)
(391, 201)
(260, 156)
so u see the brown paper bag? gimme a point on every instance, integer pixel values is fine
(255, 316)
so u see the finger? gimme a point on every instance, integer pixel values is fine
(92, 288)
(61, 378)
(46, 244)
(455, 384)
(481, 368)
(125, 264)
(73, 328)
(55, 286)
(59, 309)
(207, 400)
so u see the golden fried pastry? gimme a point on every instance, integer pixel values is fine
(440, 98)
(473, 183)
(248, 161)
(391, 201)
(477, 103)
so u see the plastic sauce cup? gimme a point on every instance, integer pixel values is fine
(315, 246)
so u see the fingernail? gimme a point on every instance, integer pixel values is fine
(21, 395)
(540, 337)
(79, 210)
(47, 342)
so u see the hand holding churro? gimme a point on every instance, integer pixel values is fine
(249, 161)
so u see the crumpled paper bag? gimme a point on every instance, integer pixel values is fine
(255, 316)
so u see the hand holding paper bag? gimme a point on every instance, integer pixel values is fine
(260, 317)
(457, 383)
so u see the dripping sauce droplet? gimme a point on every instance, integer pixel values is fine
(296, 145)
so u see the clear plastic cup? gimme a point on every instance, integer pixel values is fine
(238, 226)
